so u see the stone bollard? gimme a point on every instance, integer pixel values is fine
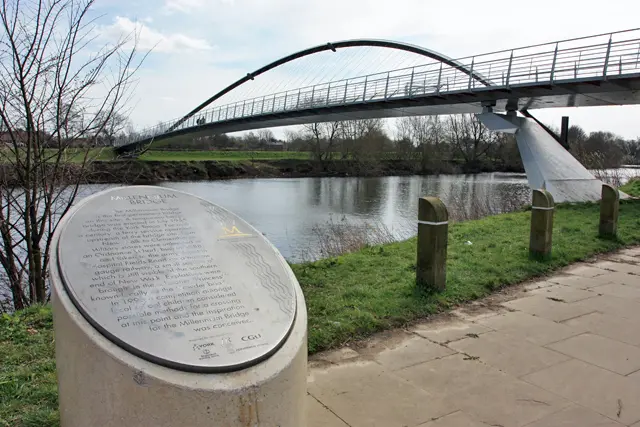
(433, 230)
(541, 224)
(609, 206)
(171, 311)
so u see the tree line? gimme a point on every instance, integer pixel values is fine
(433, 141)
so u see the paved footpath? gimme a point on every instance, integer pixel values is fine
(563, 351)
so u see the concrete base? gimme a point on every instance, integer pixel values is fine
(100, 384)
(547, 163)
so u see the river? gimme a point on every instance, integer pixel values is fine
(297, 214)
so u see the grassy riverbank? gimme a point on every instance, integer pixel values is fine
(632, 188)
(168, 156)
(348, 297)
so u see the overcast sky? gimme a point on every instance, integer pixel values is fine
(200, 46)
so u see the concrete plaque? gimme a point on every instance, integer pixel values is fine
(176, 280)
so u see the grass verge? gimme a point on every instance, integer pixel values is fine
(632, 187)
(348, 297)
(168, 156)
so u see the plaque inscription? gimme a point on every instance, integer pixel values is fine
(176, 280)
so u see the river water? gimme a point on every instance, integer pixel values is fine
(295, 213)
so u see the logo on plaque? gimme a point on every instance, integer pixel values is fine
(232, 232)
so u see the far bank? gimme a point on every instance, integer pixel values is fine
(137, 171)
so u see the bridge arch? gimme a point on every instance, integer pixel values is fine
(333, 46)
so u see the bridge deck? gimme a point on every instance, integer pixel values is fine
(584, 72)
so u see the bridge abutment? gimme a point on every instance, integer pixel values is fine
(547, 163)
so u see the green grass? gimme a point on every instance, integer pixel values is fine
(224, 155)
(632, 187)
(348, 297)
(28, 389)
(352, 296)
(70, 155)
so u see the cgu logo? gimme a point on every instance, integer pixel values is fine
(251, 337)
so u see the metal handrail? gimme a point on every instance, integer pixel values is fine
(551, 64)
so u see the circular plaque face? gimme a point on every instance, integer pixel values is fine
(176, 280)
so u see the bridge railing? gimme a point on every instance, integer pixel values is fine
(599, 56)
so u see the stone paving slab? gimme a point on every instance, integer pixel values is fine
(564, 293)
(451, 374)
(508, 354)
(365, 395)
(556, 311)
(558, 352)
(621, 307)
(586, 270)
(319, 416)
(606, 325)
(411, 352)
(533, 329)
(581, 282)
(619, 266)
(618, 290)
(451, 330)
(508, 403)
(575, 416)
(612, 395)
(457, 419)
(600, 351)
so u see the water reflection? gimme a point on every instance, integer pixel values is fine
(287, 210)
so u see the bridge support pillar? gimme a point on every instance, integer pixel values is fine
(548, 165)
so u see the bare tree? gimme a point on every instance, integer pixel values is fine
(470, 137)
(359, 137)
(323, 137)
(58, 89)
(116, 127)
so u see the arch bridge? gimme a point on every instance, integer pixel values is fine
(590, 71)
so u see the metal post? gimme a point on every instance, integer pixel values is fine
(328, 93)
(606, 58)
(578, 65)
(564, 132)
(298, 102)
(235, 107)
(413, 70)
(553, 64)
(620, 65)
(262, 107)
(509, 69)
(313, 95)
(243, 105)
(253, 105)
(284, 108)
(470, 71)
(536, 74)
(364, 92)
(386, 88)
(344, 98)
(273, 104)
(440, 79)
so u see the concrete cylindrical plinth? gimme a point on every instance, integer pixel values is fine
(103, 385)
